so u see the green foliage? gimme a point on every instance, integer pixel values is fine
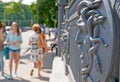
(45, 12)
(42, 11)
(1, 9)
(16, 11)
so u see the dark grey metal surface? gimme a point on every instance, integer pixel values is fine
(91, 48)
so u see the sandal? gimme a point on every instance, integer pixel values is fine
(31, 73)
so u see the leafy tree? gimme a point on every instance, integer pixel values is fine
(45, 12)
(16, 11)
(33, 10)
(1, 9)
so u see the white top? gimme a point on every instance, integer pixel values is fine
(34, 37)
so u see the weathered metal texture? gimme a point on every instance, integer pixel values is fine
(61, 5)
(92, 45)
(99, 31)
(74, 53)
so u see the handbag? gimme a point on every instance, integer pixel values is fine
(6, 52)
(40, 42)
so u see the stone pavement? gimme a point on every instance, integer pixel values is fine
(24, 73)
(58, 71)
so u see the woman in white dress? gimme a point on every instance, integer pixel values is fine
(36, 52)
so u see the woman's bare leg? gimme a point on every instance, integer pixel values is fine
(11, 56)
(39, 68)
(32, 70)
(42, 61)
(16, 58)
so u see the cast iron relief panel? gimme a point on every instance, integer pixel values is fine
(88, 38)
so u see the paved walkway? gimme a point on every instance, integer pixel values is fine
(58, 71)
(24, 72)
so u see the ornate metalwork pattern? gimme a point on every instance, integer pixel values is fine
(117, 7)
(90, 22)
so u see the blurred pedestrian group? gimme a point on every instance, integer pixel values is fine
(55, 42)
(38, 48)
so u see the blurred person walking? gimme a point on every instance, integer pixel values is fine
(36, 41)
(55, 42)
(2, 39)
(14, 40)
(45, 48)
(49, 34)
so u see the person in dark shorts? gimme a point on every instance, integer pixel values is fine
(14, 40)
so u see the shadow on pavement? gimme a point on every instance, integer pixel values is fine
(44, 78)
(47, 71)
(18, 79)
(21, 62)
(14, 80)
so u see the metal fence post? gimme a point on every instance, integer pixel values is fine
(61, 5)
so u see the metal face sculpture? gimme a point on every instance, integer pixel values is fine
(90, 23)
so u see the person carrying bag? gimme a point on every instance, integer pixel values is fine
(41, 42)
(36, 43)
(6, 51)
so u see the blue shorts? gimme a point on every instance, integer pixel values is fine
(15, 51)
